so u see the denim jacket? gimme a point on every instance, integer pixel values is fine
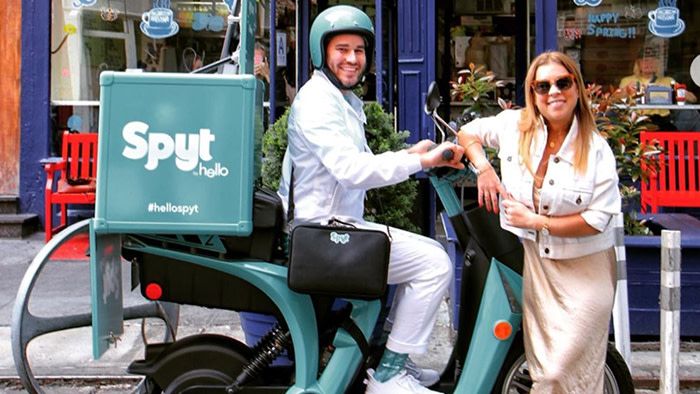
(333, 166)
(594, 194)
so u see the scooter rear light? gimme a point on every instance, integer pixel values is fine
(154, 291)
(502, 330)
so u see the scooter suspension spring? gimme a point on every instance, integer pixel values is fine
(265, 352)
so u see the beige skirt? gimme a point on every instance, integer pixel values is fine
(566, 315)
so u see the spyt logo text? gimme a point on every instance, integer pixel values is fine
(337, 238)
(190, 149)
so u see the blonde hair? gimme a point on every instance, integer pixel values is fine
(530, 119)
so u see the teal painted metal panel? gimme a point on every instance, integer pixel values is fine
(178, 153)
(297, 311)
(106, 290)
(502, 300)
(347, 356)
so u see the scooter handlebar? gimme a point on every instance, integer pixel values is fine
(447, 155)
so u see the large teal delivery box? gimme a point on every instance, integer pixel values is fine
(178, 153)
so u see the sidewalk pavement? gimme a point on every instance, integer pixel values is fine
(64, 288)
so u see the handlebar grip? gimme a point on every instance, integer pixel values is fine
(448, 155)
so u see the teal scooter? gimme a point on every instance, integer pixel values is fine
(177, 202)
(331, 347)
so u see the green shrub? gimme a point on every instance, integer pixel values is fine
(391, 205)
(621, 124)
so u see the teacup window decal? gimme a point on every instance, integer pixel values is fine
(665, 21)
(590, 3)
(159, 22)
(83, 3)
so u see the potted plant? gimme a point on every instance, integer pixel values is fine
(477, 88)
(621, 124)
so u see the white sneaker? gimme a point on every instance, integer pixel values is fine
(425, 376)
(402, 383)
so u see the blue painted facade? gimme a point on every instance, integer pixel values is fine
(35, 120)
(416, 66)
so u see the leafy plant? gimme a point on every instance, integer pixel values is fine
(391, 205)
(477, 86)
(619, 121)
(274, 144)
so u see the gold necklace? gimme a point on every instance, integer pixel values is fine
(554, 143)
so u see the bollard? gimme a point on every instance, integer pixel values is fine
(621, 317)
(670, 310)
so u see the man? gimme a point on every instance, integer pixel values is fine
(333, 168)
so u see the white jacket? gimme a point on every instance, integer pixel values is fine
(595, 194)
(333, 166)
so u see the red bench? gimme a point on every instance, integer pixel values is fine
(76, 183)
(676, 182)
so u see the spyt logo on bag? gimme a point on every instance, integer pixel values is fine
(190, 149)
(339, 238)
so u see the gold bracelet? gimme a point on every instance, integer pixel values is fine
(545, 227)
(471, 143)
(488, 167)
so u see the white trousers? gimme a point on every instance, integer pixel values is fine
(422, 271)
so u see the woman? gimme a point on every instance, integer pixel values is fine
(558, 193)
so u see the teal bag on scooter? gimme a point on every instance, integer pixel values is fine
(338, 260)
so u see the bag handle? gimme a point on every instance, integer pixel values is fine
(290, 198)
(290, 208)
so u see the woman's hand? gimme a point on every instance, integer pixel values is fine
(518, 215)
(489, 188)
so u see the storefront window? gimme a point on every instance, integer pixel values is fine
(483, 33)
(285, 52)
(622, 38)
(90, 36)
(646, 44)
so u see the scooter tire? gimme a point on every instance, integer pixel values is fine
(618, 378)
(514, 377)
(203, 360)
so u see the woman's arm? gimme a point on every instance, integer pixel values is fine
(518, 215)
(472, 138)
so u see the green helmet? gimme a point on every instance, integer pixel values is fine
(335, 20)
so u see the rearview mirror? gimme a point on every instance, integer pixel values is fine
(432, 102)
(432, 99)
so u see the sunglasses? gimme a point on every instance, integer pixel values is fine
(563, 83)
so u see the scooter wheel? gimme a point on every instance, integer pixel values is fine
(618, 378)
(195, 364)
(515, 378)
